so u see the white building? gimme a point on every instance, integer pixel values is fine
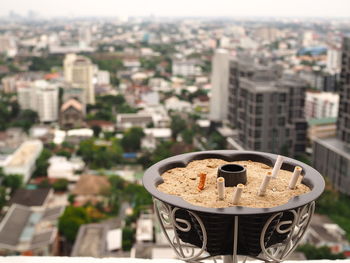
(102, 77)
(321, 105)
(60, 167)
(175, 104)
(42, 97)
(8, 46)
(153, 136)
(144, 229)
(219, 86)
(185, 68)
(129, 120)
(80, 70)
(23, 160)
(333, 60)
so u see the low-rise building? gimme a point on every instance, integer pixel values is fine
(324, 232)
(144, 229)
(90, 188)
(61, 168)
(23, 160)
(27, 231)
(106, 126)
(72, 114)
(175, 104)
(154, 136)
(36, 199)
(99, 240)
(129, 120)
(322, 128)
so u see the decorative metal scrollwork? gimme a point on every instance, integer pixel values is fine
(295, 228)
(167, 219)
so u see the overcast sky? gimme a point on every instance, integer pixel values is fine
(285, 8)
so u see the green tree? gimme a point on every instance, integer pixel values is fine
(60, 185)
(64, 153)
(2, 197)
(25, 119)
(45, 183)
(71, 220)
(324, 252)
(177, 126)
(162, 151)
(131, 141)
(42, 163)
(100, 156)
(13, 181)
(128, 238)
(97, 130)
(188, 135)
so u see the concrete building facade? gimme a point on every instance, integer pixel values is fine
(267, 108)
(80, 70)
(332, 155)
(42, 97)
(219, 86)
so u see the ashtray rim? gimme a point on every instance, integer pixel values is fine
(152, 178)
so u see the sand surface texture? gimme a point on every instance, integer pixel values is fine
(183, 182)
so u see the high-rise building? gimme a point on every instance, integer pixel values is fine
(80, 70)
(331, 156)
(266, 108)
(42, 97)
(219, 86)
(333, 60)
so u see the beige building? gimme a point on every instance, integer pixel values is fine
(80, 70)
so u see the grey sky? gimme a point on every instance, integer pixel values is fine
(309, 8)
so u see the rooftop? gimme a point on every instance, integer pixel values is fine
(89, 184)
(23, 229)
(35, 197)
(26, 152)
(335, 145)
(322, 121)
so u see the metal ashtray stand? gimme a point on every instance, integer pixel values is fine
(295, 229)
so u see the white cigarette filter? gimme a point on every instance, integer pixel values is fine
(278, 165)
(264, 184)
(221, 187)
(293, 181)
(237, 192)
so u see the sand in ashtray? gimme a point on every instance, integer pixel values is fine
(183, 182)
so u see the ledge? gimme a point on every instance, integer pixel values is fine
(19, 259)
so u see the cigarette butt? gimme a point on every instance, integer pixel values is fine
(237, 192)
(221, 187)
(264, 184)
(293, 181)
(201, 184)
(277, 166)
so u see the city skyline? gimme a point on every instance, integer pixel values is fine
(251, 8)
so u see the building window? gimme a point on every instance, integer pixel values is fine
(259, 98)
(258, 110)
(257, 134)
(279, 109)
(257, 145)
(281, 121)
(282, 97)
(258, 122)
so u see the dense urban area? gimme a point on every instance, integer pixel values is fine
(87, 105)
